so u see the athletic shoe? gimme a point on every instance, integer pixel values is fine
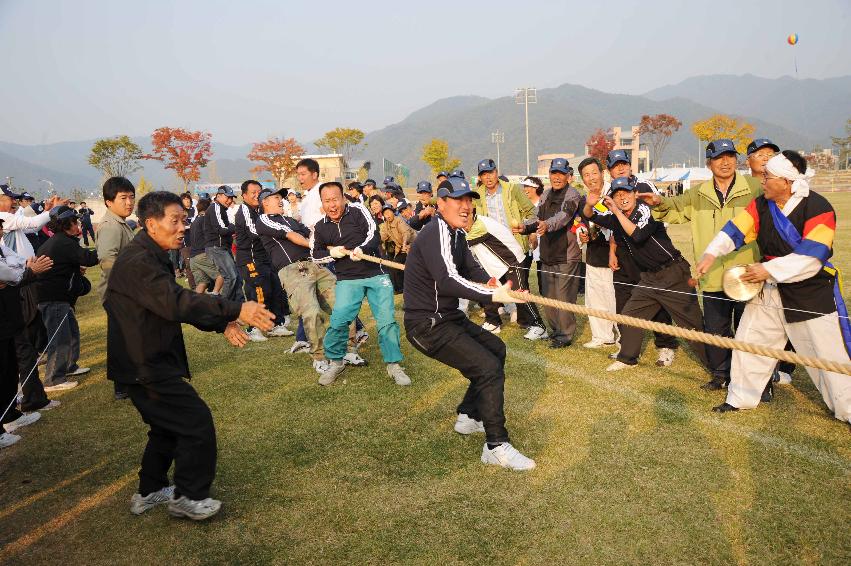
(78, 371)
(7, 439)
(536, 333)
(280, 330)
(767, 393)
(507, 456)
(617, 366)
(51, 405)
(300, 346)
(22, 421)
(195, 510)
(783, 378)
(492, 328)
(139, 504)
(121, 395)
(598, 344)
(286, 320)
(353, 359)
(724, 408)
(256, 335)
(398, 374)
(715, 384)
(556, 344)
(321, 366)
(329, 376)
(666, 357)
(361, 336)
(465, 425)
(65, 385)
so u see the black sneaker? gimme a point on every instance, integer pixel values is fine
(121, 395)
(555, 344)
(768, 393)
(715, 384)
(724, 408)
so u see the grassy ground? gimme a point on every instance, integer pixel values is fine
(632, 468)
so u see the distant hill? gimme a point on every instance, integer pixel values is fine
(561, 121)
(816, 108)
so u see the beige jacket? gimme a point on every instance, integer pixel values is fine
(112, 235)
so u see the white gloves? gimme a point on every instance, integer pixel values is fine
(337, 252)
(501, 295)
(356, 254)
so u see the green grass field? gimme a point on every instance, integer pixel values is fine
(633, 468)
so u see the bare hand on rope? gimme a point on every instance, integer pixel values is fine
(356, 254)
(338, 252)
(503, 293)
(236, 335)
(255, 314)
(39, 264)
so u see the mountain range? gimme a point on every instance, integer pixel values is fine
(794, 113)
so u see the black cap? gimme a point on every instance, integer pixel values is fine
(760, 143)
(225, 190)
(369, 182)
(269, 192)
(455, 187)
(62, 212)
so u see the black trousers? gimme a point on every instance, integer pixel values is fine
(721, 317)
(527, 313)
(31, 386)
(646, 302)
(8, 381)
(397, 276)
(182, 432)
(625, 280)
(260, 283)
(479, 356)
(87, 230)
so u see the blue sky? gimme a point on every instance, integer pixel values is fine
(246, 70)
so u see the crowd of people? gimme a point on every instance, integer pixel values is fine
(305, 257)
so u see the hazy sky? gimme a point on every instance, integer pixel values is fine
(247, 69)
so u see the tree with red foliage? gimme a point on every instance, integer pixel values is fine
(658, 130)
(599, 145)
(183, 151)
(277, 156)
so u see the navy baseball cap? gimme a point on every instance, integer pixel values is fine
(26, 195)
(443, 174)
(720, 147)
(560, 165)
(621, 184)
(616, 156)
(403, 204)
(391, 187)
(389, 180)
(8, 192)
(424, 187)
(486, 165)
(369, 182)
(455, 187)
(225, 190)
(269, 192)
(760, 143)
(458, 173)
(388, 207)
(62, 212)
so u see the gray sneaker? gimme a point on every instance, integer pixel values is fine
(398, 374)
(139, 504)
(329, 376)
(195, 510)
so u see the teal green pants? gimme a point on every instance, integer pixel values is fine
(348, 297)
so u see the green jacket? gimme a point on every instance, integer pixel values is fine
(700, 206)
(517, 206)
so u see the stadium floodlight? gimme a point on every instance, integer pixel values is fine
(497, 137)
(526, 95)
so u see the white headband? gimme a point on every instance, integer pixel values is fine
(780, 166)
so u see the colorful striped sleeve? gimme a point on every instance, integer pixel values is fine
(818, 236)
(744, 228)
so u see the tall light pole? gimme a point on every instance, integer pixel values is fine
(526, 95)
(497, 137)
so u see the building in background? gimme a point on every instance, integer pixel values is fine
(631, 142)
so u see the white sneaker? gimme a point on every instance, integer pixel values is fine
(329, 376)
(78, 371)
(492, 328)
(52, 405)
(785, 378)
(256, 335)
(65, 385)
(22, 421)
(321, 366)
(300, 346)
(507, 456)
(465, 425)
(361, 336)
(598, 344)
(666, 357)
(353, 359)
(7, 439)
(280, 330)
(195, 510)
(398, 374)
(617, 366)
(139, 504)
(536, 333)
(286, 320)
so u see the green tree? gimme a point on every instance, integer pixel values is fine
(115, 157)
(437, 156)
(844, 145)
(341, 140)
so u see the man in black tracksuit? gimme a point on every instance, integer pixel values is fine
(439, 270)
(664, 271)
(219, 233)
(145, 307)
(260, 282)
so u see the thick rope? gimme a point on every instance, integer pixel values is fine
(685, 333)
